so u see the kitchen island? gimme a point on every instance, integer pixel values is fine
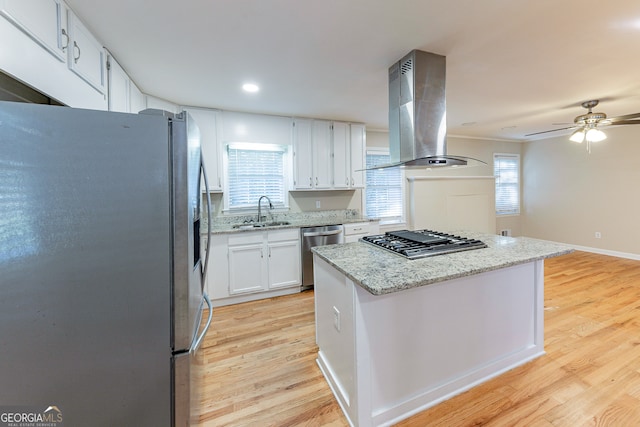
(397, 336)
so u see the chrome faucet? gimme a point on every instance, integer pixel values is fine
(259, 208)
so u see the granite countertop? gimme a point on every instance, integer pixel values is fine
(295, 220)
(381, 272)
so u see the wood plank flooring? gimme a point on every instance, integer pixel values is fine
(261, 368)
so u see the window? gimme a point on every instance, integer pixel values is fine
(506, 168)
(255, 170)
(384, 190)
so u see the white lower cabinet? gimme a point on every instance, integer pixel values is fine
(284, 263)
(253, 265)
(247, 268)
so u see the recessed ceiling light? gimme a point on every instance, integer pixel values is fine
(250, 87)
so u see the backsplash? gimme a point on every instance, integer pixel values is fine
(338, 216)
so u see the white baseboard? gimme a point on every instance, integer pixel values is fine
(603, 251)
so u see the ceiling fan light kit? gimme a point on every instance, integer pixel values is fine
(587, 124)
(595, 135)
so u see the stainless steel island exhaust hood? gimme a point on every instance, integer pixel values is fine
(417, 112)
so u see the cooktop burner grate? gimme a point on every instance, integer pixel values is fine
(422, 243)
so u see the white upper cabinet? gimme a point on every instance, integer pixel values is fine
(42, 20)
(312, 154)
(328, 155)
(119, 87)
(207, 121)
(37, 48)
(124, 95)
(136, 98)
(303, 164)
(321, 154)
(358, 152)
(86, 55)
(341, 155)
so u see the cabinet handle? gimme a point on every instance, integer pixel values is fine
(347, 182)
(316, 181)
(66, 45)
(269, 252)
(261, 253)
(75, 46)
(310, 182)
(352, 183)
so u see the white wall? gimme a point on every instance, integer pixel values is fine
(569, 194)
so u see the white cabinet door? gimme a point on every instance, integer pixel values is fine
(358, 151)
(247, 269)
(119, 90)
(207, 121)
(136, 98)
(86, 55)
(341, 155)
(321, 143)
(284, 264)
(302, 152)
(42, 20)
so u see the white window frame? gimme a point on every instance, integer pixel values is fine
(287, 168)
(386, 220)
(513, 209)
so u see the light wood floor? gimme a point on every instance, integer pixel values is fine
(261, 368)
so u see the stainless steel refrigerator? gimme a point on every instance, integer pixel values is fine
(101, 279)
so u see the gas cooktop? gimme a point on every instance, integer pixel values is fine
(422, 243)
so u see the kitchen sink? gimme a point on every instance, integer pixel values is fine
(252, 225)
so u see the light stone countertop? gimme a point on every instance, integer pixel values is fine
(296, 220)
(382, 272)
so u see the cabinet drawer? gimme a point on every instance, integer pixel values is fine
(356, 228)
(283, 234)
(246, 238)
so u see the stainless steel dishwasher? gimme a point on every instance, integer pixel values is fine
(316, 236)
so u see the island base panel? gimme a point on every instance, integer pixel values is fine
(409, 350)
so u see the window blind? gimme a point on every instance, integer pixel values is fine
(254, 172)
(383, 195)
(506, 168)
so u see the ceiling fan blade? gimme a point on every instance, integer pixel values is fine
(552, 130)
(621, 118)
(624, 122)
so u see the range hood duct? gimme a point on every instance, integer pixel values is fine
(417, 112)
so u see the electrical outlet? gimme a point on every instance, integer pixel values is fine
(598, 235)
(317, 204)
(336, 318)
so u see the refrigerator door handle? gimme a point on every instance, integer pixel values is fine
(207, 250)
(198, 340)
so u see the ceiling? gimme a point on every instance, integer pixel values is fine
(513, 66)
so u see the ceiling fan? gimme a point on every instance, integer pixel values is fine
(587, 125)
